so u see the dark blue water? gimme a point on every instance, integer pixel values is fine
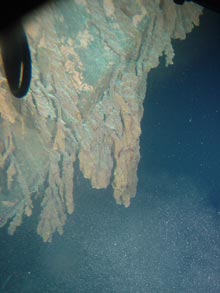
(169, 239)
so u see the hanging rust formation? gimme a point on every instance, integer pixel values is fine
(90, 65)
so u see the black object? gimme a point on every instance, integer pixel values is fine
(15, 50)
(12, 11)
(16, 58)
(213, 5)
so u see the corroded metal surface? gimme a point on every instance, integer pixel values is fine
(90, 67)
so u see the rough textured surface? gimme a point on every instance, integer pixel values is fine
(90, 67)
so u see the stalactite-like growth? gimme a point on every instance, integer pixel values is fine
(90, 66)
